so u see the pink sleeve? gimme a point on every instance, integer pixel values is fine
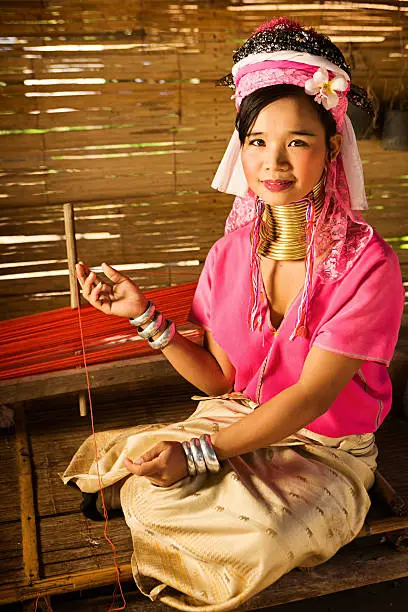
(366, 324)
(201, 307)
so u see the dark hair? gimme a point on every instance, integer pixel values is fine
(252, 105)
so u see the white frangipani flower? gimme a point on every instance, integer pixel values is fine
(324, 90)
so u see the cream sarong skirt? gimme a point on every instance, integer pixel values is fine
(211, 542)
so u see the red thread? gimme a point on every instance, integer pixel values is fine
(45, 597)
(106, 529)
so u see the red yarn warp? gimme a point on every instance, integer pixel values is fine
(50, 342)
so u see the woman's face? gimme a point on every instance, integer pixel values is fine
(285, 152)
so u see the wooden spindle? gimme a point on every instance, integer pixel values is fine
(69, 221)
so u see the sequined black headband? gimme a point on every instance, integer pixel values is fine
(284, 34)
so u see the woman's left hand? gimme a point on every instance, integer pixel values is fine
(163, 465)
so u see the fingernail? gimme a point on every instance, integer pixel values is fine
(139, 461)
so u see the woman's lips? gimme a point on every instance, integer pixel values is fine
(277, 185)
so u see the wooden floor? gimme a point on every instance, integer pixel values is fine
(70, 543)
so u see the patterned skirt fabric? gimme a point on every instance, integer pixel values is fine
(213, 541)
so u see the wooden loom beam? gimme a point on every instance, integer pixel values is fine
(137, 370)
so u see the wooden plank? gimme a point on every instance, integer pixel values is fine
(27, 508)
(56, 433)
(72, 543)
(350, 568)
(9, 486)
(124, 65)
(11, 557)
(162, 277)
(82, 556)
(139, 370)
(108, 209)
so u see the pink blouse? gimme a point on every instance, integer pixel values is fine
(358, 316)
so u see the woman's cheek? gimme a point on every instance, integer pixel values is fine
(249, 165)
(310, 160)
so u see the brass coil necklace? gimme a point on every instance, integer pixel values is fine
(283, 228)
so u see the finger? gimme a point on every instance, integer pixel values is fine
(155, 481)
(80, 272)
(106, 290)
(96, 291)
(113, 274)
(152, 453)
(105, 298)
(99, 296)
(84, 269)
(89, 284)
(147, 468)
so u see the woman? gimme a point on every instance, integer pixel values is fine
(301, 304)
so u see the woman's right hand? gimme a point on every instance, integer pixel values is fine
(122, 298)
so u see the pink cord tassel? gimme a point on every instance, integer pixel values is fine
(255, 316)
(301, 322)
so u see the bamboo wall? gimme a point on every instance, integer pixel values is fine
(113, 107)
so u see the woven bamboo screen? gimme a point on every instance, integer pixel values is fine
(114, 108)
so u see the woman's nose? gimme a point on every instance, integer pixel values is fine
(276, 159)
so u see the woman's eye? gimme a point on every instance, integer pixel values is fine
(257, 142)
(298, 143)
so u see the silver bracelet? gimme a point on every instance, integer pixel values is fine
(210, 457)
(191, 467)
(145, 317)
(198, 456)
(153, 327)
(165, 338)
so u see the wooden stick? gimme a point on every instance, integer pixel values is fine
(83, 406)
(65, 583)
(394, 501)
(27, 509)
(69, 221)
(385, 525)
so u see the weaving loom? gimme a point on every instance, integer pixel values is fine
(50, 342)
